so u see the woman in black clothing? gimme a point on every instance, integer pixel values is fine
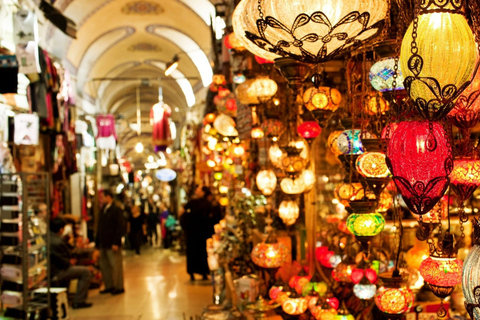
(136, 229)
(196, 223)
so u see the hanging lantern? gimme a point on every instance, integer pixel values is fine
(419, 157)
(306, 31)
(466, 112)
(233, 43)
(364, 291)
(365, 224)
(288, 212)
(326, 257)
(256, 133)
(381, 75)
(322, 98)
(346, 192)
(225, 125)
(223, 201)
(209, 117)
(266, 181)
(393, 298)
(293, 163)
(465, 177)
(471, 275)
(263, 88)
(322, 310)
(218, 80)
(295, 306)
(375, 104)
(343, 313)
(309, 130)
(243, 94)
(343, 272)
(418, 253)
(332, 142)
(270, 254)
(442, 273)
(293, 186)
(349, 141)
(275, 154)
(372, 165)
(439, 66)
(298, 282)
(272, 128)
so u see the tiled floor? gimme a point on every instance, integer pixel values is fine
(156, 287)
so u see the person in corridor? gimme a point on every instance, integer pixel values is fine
(61, 264)
(111, 228)
(195, 222)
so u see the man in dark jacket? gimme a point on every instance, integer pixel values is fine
(62, 268)
(111, 228)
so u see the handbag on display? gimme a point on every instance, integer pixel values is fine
(8, 74)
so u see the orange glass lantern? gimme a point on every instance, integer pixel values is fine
(393, 298)
(275, 291)
(210, 117)
(372, 165)
(256, 133)
(295, 306)
(232, 42)
(243, 94)
(465, 177)
(375, 104)
(322, 98)
(343, 272)
(332, 142)
(442, 273)
(385, 201)
(270, 254)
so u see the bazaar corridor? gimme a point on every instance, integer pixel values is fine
(156, 287)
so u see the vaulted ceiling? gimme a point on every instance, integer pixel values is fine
(123, 47)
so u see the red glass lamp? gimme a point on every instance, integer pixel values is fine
(261, 60)
(326, 257)
(420, 159)
(442, 273)
(232, 42)
(309, 130)
(270, 254)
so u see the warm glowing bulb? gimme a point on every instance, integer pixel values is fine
(139, 147)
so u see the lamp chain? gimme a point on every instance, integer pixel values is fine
(260, 9)
(472, 5)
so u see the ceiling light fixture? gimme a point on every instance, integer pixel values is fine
(172, 66)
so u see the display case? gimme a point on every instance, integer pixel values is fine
(24, 262)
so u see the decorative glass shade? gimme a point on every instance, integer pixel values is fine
(442, 272)
(266, 181)
(263, 88)
(295, 306)
(322, 98)
(256, 133)
(292, 162)
(308, 30)
(166, 174)
(438, 212)
(346, 192)
(364, 291)
(261, 60)
(288, 212)
(232, 42)
(444, 63)
(223, 201)
(471, 276)
(209, 117)
(293, 186)
(274, 291)
(369, 275)
(465, 176)
(332, 142)
(298, 282)
(309, 130)
(420, 160)
(319, 287)
(381, 75)
(272, 128)
(372, 165)
(375, 104)
(275, 154)
(466, 112)
(270, 255)
(243, 94)
(349, 142)
(225, 125)
(365, 224)
(218, 80)
(394, 300)
(238, 150)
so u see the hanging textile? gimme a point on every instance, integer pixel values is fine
(25, 33)
(26, 129)
(160, 121)
(106, 136)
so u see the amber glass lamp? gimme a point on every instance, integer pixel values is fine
(288, 212)
(244, 95)
(442, 273)
(293, 186)
(295, 305)
(332, 142)
(270, 254)
(256, 133)
(372, 165)
(275, 154)
(440, 65)
(375, 104)
(266, 181)
(394, 299)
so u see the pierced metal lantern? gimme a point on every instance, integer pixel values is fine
(439, 62)
(266, 181)
(308, 31)
(471, 276)
(381, 75)
(420, 158)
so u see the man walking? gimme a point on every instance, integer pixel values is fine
(111, 228)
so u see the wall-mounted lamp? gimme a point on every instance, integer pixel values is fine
(171, 66)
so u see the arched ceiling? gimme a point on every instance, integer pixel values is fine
(123, 46)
